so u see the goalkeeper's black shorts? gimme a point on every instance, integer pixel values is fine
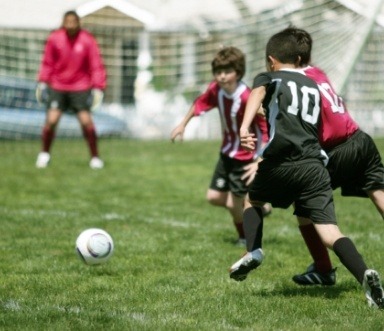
(69, 101)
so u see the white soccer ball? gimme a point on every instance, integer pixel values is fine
(94, 246)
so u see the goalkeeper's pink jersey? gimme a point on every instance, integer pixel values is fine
(336, 124)
(231, 109)
(72, 64)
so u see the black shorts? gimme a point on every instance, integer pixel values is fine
(69, 101)
(305, 183)
(227, 176)
(355, 166)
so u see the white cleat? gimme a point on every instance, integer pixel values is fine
(373, 289)
(96, 163)
(240, 269)
(43, 159)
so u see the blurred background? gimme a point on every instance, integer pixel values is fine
(158, 57)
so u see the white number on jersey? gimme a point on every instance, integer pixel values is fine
(309, 115)
(336, 102)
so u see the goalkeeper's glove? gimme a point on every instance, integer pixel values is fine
(41, 92)
(97, 98)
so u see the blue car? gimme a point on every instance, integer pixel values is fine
(22, 117)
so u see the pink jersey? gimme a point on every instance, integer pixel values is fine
(336, 124)
(72, 64)
(231, 108)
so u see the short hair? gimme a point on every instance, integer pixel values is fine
(283, 47)
(71, 13)
(229, 57)
(304, 43)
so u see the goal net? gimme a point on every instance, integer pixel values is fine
(156, 70)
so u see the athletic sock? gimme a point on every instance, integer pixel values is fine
(253, 227)
(316, 248)
(346, 250)
(47, 136)
(90, 136)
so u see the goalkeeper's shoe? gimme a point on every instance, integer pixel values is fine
(373, 290)
(251, 260)
(313, 277)
(96, 163)
(43, 159)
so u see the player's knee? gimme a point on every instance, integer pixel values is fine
(303, 221)
(51, 125)
(216, 199)
(257, 204)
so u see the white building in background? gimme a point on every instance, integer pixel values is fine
(158, 52)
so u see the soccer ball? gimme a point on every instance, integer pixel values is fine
(94, 246)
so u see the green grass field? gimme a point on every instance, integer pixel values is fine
(169, 270)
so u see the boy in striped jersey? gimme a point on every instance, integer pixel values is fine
(236, 167)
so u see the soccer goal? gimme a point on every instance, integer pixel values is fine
(156, 70)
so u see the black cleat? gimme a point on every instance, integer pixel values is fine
(313, 277)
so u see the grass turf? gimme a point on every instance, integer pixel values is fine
(172, 249)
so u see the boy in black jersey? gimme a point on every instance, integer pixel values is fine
(293, 166)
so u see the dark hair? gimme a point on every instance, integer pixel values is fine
(229, 57)
(283, 47)
(71, 13)
(304, 43)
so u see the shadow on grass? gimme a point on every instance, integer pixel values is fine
(328, 292)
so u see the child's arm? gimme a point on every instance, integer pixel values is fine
(253, 107)
(179, 129)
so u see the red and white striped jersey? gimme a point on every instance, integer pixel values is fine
(231, 109)
(336, 124)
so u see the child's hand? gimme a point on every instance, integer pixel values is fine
(247, 140)
(177, 131)
(250, 172)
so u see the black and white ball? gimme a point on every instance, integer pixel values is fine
(94, 246)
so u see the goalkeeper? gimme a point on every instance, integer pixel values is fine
(72, 77)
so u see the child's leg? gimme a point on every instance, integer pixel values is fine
(344, 248)
(232, 203)
(253, 227)
(235, 206)
(315, 246)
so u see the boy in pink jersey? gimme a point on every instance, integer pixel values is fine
(354, 164)
(71, 78)
(236, 167)
(292, 170)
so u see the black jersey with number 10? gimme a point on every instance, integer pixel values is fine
(292, 105)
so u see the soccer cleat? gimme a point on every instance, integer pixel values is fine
(373, 290)
(96, 163)
(43, 159)
(241, 242)
(313, 277)
(239, 271)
